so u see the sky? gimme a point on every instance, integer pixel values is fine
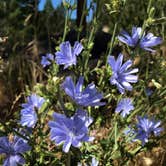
(55, 3)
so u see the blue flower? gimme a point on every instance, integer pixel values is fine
(145, 128)
(46, 60)
(13, 150)
(34, 101)
(124, 107)
(70, 131)
(145, 42)
(67, 54)
(28, 117)
(122, 76)
(87, 97)
(132, 40)
(149, 41)
(28, 113)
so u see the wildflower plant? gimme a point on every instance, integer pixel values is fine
(82, 112)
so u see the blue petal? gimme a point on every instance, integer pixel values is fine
(77, 48)
(125, 66)
(126, 38)
(28, 117)
(136, 34)
(69, 87)
(112, 62)
(65, 48)
(21, 146)
(119, 62)
(67, 144)
(79, 85)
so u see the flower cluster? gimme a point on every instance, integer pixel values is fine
(67, 55)
(13, 150)
(28, 113)
(70, 131)
(74, 130)
(122, 76)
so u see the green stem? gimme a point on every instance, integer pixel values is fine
(68, 161)
(115, 135)
(86, 58)
(81, 21)
(61, 102)
(143, 29)
(92, 32)
(65, 27)
(163, 24)
(113, 39)
(144, 24)
(115, 129)
(147, 68)
(149, 6)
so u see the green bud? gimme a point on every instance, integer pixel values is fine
(66, 5)
(112, 12)
(116, 155)
(152, 12)
(90, 46)
(108, 6)
(156, 84)
(115, 4)
(149, 21)
(74, 7)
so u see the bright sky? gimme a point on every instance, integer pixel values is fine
(55, 3)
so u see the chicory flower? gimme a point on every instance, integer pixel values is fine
(124, 107)
(70, 131)
(122, 76)
(13, 150)
(144, 41)
(67, 55)
(28, 113)
(46, 60)
(146, 127)
(87, 97)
